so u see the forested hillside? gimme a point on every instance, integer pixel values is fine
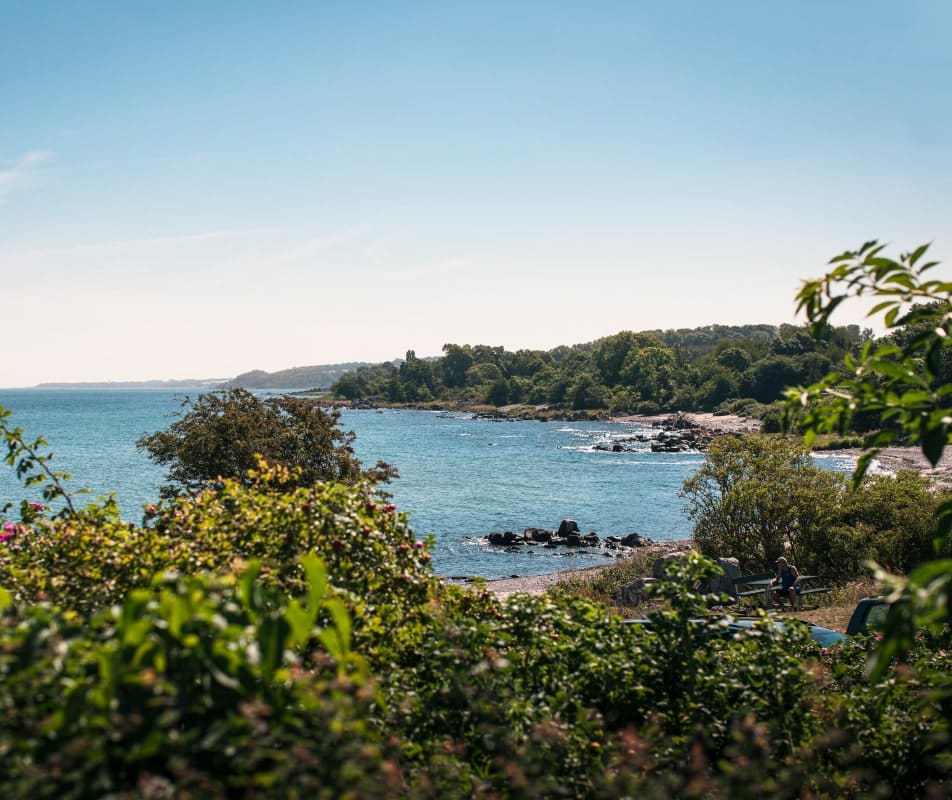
(702, 369)
(320, 376)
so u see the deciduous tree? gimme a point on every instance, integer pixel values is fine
(756, 498)
(221, 434)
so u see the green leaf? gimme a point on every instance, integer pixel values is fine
(880, 307)
(862, 466)
(902, 280)
(248, 586)
(918, 253)
(337, 637)
(933, 443)
(300, 621)
(316, 572)
(272, 637)
(889, 369)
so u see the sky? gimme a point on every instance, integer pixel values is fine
(198, 189)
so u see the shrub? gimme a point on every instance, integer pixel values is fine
(224, 434)
(548, 695)
(756, 498)
(93, 559)
(189, 688)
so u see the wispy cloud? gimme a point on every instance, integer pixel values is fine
(16, 176)
(150, 241)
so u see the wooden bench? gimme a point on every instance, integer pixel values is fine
(811, 590)
(751, 585)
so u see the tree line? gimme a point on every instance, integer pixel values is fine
(705, 369)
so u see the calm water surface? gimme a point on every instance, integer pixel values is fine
(460, 477)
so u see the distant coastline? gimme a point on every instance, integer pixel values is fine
(186, 383)
(296, 379)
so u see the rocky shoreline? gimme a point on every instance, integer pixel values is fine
(707, 427)
(537, 584)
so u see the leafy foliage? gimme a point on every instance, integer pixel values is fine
(325, 660)
(222, 435)
(94, 559)
(898, 380)
(756, 498)
(627, 372)
(360, 676)
(33, 466)
(900, 383)
(193, 686)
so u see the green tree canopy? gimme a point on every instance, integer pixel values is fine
(756, 498)
(220, 434)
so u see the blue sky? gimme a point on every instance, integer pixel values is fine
(200, 189)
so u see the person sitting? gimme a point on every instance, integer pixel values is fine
(786, 583)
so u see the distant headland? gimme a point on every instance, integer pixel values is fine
(320, 376)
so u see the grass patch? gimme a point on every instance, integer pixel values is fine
(600, 586)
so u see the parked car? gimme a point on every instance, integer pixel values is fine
(741, 626)
(825, 637)
(869, 616)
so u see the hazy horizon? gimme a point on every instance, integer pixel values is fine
(202, 189)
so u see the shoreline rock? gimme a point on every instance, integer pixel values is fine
(566, 535)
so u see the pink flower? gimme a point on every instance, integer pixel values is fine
(5, 537)
(825, 651)
(9, 528)
(418, 544)
(37, 506)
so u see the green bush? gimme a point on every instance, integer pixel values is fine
(192, 687)
(93, 559)
(224, 434)
(548, 695)
(757, 497)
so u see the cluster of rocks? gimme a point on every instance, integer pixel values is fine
(676, 434)
(567, 535)
(626, 444)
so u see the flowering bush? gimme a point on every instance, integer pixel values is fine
(92, 559)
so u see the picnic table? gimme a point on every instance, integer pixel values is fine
(763, 582)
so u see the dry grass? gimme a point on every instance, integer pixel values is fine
(600, 584)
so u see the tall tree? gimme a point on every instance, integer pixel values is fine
(757, 498)
(456, 360)
(221, 434)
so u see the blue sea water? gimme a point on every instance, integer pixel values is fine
(460, 477)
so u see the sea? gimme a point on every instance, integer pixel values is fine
(461, 476)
